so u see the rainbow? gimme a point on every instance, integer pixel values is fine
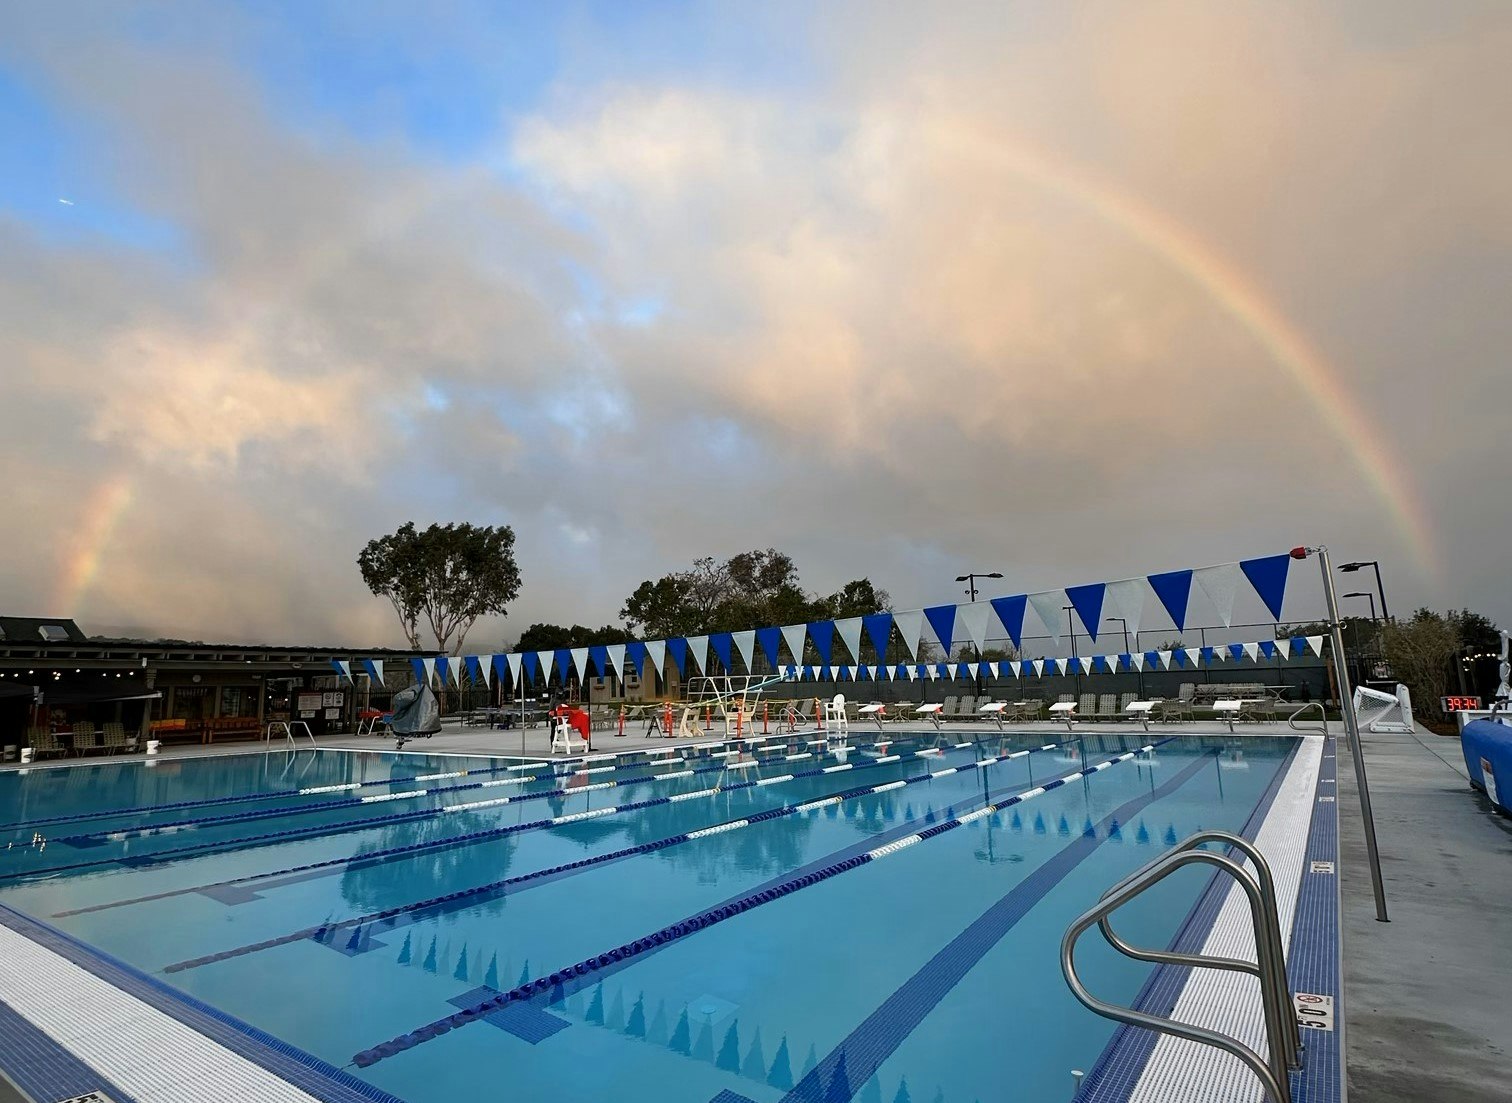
(1243, 302)
(102, 513)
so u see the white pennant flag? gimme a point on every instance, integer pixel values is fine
(855, 673)
(913, 673)
(1220, 583)
(344, 667)
(430, 670)
(656, 656)
(1039, 668)
(516, 667)
(745, 646)
(795, 634)
(849, 630)
(485, 664)
(545, 658)
(934, 672)
(1315, 645)
(1013, 669)
(1086, 664)
(909, 625)
(892, 673)
(1220, 654)
(617, 658)
(698, 649)
(1194, 655)
(1137, 657)
(374, 669)
(973, 619)
(1165, 659)
(1049, 606)
(580, 661)
(1125, 601)
(1253, 651)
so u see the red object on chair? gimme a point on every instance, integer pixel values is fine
(579, 720)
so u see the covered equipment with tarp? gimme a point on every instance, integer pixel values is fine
(416, 714)
(1488, 758)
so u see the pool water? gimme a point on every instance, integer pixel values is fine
(927, 972)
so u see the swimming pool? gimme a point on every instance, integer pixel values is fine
(791, 923)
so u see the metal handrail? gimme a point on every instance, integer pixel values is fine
(1272, 1075)
(288, 727)
(1291, 721)
(1274, 986)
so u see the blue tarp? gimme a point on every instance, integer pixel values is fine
(1488, 756)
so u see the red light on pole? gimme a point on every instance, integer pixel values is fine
(1299, 553)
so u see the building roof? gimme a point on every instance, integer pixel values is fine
(40, 630)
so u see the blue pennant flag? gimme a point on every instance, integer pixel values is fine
(984, 670)
(1207, 655)
(1236, 651)
(532, 665)
(598, 658)
(720, 641)
(1268, 577)
(1178, 656)
(1050, 667)
(1173, 589)
(1152, 660)
(878, 629)
(1126, 660)
(902, 670)
(862, 674)
(563, 664)
(942, 619)
(443, 668)
(822, 633)
(1026, 669)
(1100, 664)
(943, 670)
(677, 647)
(963, 670)
(1088, 602)
(474, 668)
(1298, 646)
(635, 651)
(768, 639)
(501, 670)
(1268, 649)
(419, 668)
(1010, 611)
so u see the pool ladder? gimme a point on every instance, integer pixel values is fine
(1291, 720)
(1283, 1041)
(286, 728)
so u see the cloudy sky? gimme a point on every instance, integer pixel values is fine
(1070, 291)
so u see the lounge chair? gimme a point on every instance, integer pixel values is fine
(1086, 707)
(114, 739)
(42, 741)
(965, 709)
(84, 738)
(1107, 706)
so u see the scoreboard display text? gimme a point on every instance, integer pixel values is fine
(1460, 704)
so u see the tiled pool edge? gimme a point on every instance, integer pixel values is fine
(1126, 1067)
(305, 1075)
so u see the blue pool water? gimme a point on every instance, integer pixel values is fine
(928, 972)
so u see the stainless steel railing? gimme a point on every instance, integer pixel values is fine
(1283, 1044)
(1291, 721)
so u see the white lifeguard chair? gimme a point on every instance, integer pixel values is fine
(565, 737)
(836, 722)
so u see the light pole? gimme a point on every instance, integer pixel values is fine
(1071, 624)
(1139, 674)
(970, 578)
(1351, 568)
(1351, 723)
(1368, 597)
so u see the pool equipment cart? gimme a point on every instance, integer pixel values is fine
(1282, 1040)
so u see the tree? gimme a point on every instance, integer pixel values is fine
(550, 637)
(660, 609)
(449, 574)
(1420, 651)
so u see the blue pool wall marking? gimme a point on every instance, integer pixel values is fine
(1123, 1060)
(42, 1068)
(388, 919)
(305, 1071)
(871, 1043)
(556, 982)
(378, 856)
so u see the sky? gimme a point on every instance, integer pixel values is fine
(1074, 292)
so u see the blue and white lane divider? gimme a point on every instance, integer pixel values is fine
(478, 894)
(695, 923)
(490, 834)
(121, 834)
(546, 765)
(296, 833)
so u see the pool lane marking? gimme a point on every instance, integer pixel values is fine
(379, 856)
(323, 931)
(674, 931)
(879, 1035)
(147, 830)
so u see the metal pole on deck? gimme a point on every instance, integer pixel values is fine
(1351, 725)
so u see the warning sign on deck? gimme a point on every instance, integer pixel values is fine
(1313, 1011)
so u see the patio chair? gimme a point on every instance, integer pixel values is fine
(965, 709)
(1086, 707)
(84, 738)
(948, 706)
(1107, 706)
(42, 742)
(114, 739)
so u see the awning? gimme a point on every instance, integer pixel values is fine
(64, 697)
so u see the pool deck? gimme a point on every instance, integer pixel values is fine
(1424, 995)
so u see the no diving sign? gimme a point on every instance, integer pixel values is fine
(1313, 1011)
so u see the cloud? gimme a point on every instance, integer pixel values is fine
(893, 317)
